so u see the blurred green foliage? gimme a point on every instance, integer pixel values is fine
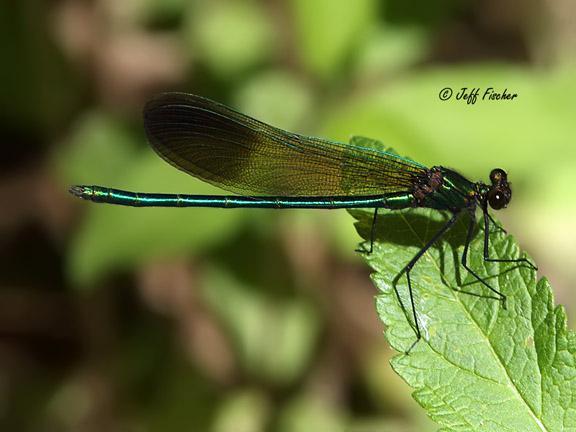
(278, 351)
(249, 39)
(201, 319)
(328, 32)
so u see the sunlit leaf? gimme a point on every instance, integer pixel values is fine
(97, 150)
(478, 367)
(275, 337)
(278, 98)
(328, 31)
(244, 411)
(230, 36)
(310, 413)
(389, 50)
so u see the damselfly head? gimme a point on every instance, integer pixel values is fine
(499, 193)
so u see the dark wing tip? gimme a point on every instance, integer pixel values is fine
(170, 99)
(162, 99)
(171, 107)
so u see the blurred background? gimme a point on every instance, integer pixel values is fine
(123, 319)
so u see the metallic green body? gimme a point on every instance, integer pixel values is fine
(135, 199)
(455, 193)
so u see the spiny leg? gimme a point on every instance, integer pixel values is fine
(487, 217)
(409, 267)
(372, 235)
(493, 222)
(469, 236)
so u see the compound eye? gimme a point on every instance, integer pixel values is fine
(497, 199)
(497, 175)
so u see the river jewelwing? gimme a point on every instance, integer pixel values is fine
(268, 167)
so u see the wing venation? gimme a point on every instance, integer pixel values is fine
(243, 155)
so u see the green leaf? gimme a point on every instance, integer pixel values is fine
(329, 30)
(278, 98)
(229, 36)
(477, 367)
(281, 350)
(389, 50)
(243, 411)
(308, 412)
(98, 150)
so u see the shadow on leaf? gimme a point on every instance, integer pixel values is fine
(415, 227)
